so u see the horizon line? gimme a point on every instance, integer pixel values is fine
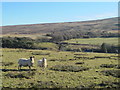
(59, 22)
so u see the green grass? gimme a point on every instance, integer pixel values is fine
(94, 41)
(33, 36)
(48, 78)
(47, 45)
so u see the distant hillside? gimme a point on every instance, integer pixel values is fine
(110, 25)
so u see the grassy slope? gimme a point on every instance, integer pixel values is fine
(33, 36)
(95, 41)
(58, 79)
(48, 45)
(109, 24)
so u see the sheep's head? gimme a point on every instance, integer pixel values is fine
(32, 59)
(43, 59)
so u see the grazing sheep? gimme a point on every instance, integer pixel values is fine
(42, 63)
(26, 62)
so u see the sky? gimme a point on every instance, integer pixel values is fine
(19, 13)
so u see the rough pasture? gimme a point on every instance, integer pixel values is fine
(94, 41)
(97, 76)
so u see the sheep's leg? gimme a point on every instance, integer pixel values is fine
(19, 67)
(29, 67)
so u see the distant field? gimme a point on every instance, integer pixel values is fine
(100, 69)
(33, 36)
(47, 45)
(94, 41)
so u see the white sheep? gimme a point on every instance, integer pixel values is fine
(42, 63)
(26, 62)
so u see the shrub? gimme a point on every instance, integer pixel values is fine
(69, 68)
(114, 73)
(110, 66)
(103, 84)
(46, 84)
(106, 84)
(7, 63)
(102, 57)
(107, 48)
(43, 39)
(12, 75)
(17, 42)
(79, 63)
(118, 66)
(20, 75)
(57, 60)
(40, 53)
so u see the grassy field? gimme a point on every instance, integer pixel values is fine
(65, 70)
(94, 41)
(47, 45)
(33, 36)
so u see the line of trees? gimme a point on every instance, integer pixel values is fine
(107, 48)
(71, 34)
(16, 42)
(103, 48)
(28, 43)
